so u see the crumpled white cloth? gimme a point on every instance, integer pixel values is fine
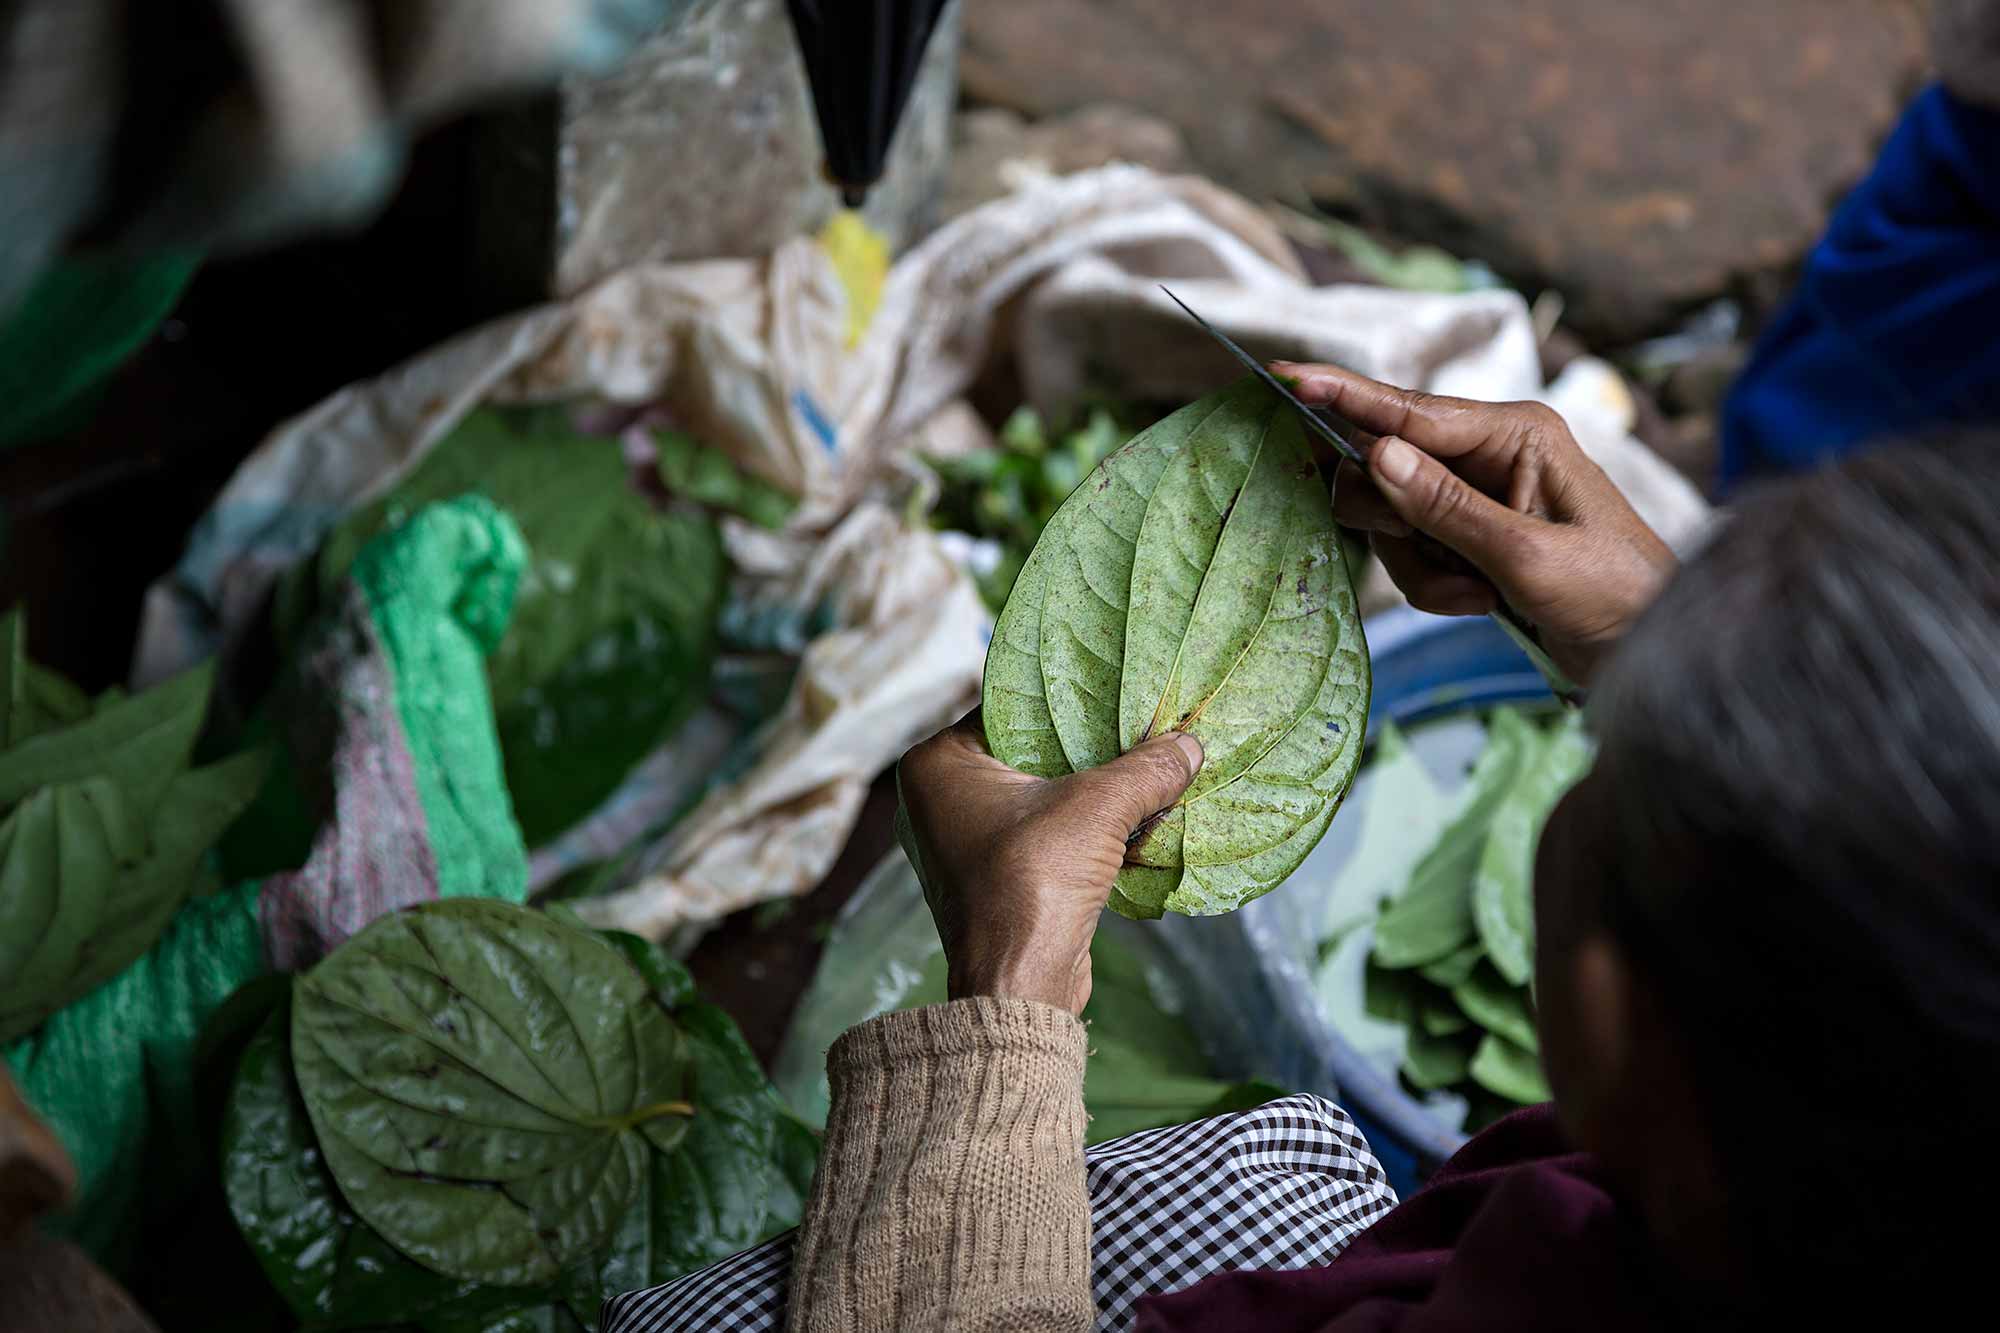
(1063, 279)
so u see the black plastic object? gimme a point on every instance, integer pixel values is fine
(861, 59)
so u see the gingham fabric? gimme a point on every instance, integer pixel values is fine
(1287, 1185)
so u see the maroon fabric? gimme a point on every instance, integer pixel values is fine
(1515, 1232)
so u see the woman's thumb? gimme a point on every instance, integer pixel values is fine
(1436, 501)
(1147, 778)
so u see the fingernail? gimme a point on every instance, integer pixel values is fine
(1395, 462)
(1190, 749)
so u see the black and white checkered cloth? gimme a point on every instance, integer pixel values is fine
(1284, 1186)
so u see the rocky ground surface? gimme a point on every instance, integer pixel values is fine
(1641, 158)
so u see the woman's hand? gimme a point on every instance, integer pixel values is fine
(1017, 868)
(1506, 488)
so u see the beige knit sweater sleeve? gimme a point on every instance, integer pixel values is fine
(950, 1191)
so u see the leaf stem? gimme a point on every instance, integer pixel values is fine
(653, 1112)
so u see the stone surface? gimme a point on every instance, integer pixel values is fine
(704, 144)
(1640, 157)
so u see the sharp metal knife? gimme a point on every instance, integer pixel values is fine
(1314, 421)
(1518, 628)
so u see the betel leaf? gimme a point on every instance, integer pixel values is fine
(86, 886)
(1194, 582)
(139, 743)
(1433, 1061)
(689, 467)
(741, 1174)
(330, 1267)
(487, 1085)
(592, 675)
(1453, 969)
(1146, 1069)
(1509, 1071)
(1503, 904)
(1499, 1006)
(1432, 918)
(738, 1177)
(1442, 1018)
(59, 855)
(1126, 1091)
(16, 721)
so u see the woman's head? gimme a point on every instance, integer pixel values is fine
(1770, 971)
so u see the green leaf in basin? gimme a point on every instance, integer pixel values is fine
(1503, 901)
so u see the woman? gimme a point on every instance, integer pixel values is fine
(1769, 959)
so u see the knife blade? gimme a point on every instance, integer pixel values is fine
(1521, 630)
(1314, 421)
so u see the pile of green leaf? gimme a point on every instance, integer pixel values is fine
(1453, 954)
(475, 1117)
(103, 826)
(1194, 582)
(1010, 492)
(613, 637)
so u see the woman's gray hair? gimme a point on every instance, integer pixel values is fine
(1800, 747)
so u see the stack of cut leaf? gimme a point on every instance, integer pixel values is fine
(1194, 582)
(474, 1116)
(1454, 951)
(612, 641)
(1010, 492)
(103, 826)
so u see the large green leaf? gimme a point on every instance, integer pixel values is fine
(1503, 904)
(331, 1267)
(59, 856)
(738, 1176)
(1432, 918)
(108, 828)
(85, 887)
(198, 806)
(139, 743)
(587, 682)
(487, 1085)
(1194, 582)
(741, 1174)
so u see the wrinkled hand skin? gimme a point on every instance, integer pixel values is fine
(1017, 869)
(1965, 45)
(1466, 501)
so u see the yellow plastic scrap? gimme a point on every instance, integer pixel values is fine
(860, 256)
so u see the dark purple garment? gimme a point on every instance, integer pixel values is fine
(1515, 1232)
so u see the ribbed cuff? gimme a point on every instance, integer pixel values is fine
(951, 1188)
(977, 1026)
